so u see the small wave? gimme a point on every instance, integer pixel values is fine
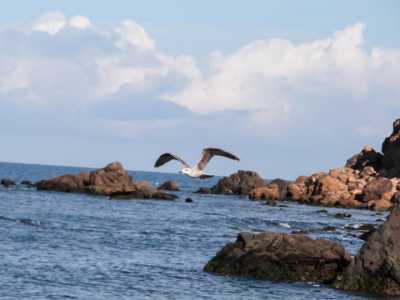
(24, 221)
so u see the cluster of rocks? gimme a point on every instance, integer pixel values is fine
(112, 181)
(296, 257)
(11, 183)
(368, 180)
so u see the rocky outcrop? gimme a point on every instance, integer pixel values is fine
(368, 157)
(376, 268)
(240, 183)
(275, 190)
(280, 257)
(111, 180)
(7, 183)
(169, 186)
(391, 152)
(345, 187)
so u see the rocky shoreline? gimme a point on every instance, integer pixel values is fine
(112, 181)
(296, 257)
(369, 180)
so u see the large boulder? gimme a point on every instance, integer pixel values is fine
(280, 257)
(368, 157)
(376, 268)
(275, 190)
(391, 152)
(111, 180)
(240, 183)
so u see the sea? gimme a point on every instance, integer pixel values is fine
(75, 246)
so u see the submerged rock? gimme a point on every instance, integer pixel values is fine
(240, 183)
(203, 190)
(376, 268)
(7, 182)
(280, 257)
(27, 183)
(169, 186)
(111, 180)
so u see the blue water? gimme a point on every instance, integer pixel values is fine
(72, 246)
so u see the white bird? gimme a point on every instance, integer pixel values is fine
(198, 169)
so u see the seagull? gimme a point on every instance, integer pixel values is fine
(198, 169)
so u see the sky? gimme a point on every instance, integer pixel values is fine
(290, 87)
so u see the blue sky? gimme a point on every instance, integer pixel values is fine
(291, 87)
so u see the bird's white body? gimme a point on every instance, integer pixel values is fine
(192, 172)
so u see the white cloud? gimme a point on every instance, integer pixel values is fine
(133, 35)
(51, 22)
(276, 75)
(79, 22)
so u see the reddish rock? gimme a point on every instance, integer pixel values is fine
(268, 192)
(376, 268)
(240, 183)
(111, 180)
(280, 257)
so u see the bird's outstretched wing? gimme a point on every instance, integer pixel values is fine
(208, 153)
(166, 157)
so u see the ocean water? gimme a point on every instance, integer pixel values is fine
(72, 246)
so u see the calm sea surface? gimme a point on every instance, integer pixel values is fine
(71, 246)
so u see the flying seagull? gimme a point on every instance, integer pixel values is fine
(198, 169)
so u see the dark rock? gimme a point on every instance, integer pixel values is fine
(391, 152)
(7, 182)
(240, 183)
(342, 216)
(368, 157)
(189, 200)
(169, 186)
(203, 190)
(111, 180)
(376, 267)
(280, 257)
(271, 202)
(27, 183)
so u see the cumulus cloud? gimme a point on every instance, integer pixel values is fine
(79, 22)
(278, 76)
(51, 22)
(133, 35)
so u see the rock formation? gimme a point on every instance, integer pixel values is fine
(376, 268)
(111, 180)
(240, 183)
(391, 152)
(280, 257)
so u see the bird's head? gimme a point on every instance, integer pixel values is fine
(186, 171)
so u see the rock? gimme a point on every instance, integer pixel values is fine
(376, 267)
(368, 157)
(169, 186)
(268, 192)
(275, 190)
(342, 216)
(391, 152)
(240, 183)
(280, 257)
(7, 182)
(203, 190)
(189, 200)
(345, 187)
(111, 180)
(27, 183)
